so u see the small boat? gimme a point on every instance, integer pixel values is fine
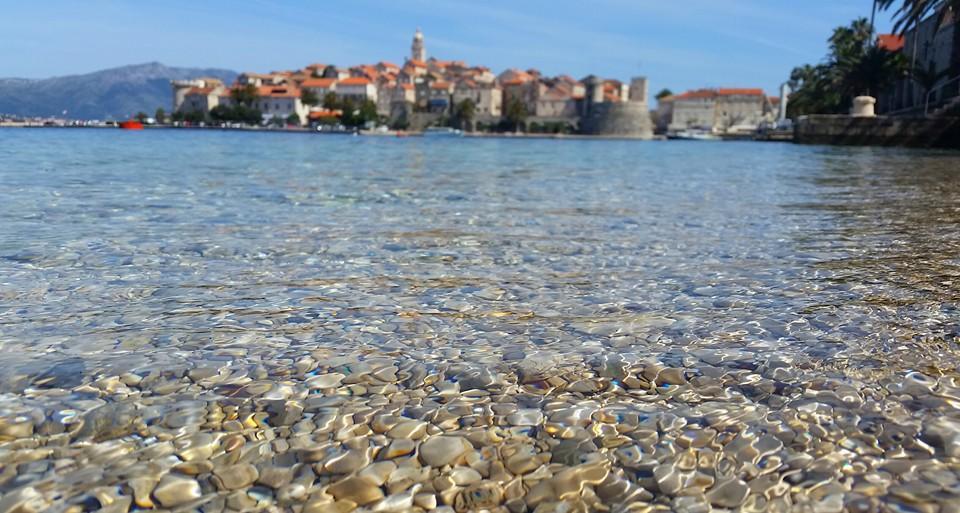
(131, 124)
(442, 131)
(693, 135)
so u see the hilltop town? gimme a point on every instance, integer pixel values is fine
(425, 92)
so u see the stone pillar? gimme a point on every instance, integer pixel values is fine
(638, 89)
(863, 107)
(784, 95)
(596, 90)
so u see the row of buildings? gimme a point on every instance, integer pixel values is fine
(429, 89)
(422, 87)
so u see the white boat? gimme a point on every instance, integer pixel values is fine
(694, 135)
(442, 131)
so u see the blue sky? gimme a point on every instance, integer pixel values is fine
(679, 44)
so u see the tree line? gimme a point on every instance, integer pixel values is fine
(856, 65)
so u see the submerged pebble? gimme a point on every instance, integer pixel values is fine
(316, 326)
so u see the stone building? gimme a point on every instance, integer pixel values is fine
(320, 86)
(439, 97)
(356, 89)
(602, 115)
(930, 47)
(274, 101)
(196, 95)
(487, 98)
(722, 110)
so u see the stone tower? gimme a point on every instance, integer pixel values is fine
(638, 89)
(417, 51)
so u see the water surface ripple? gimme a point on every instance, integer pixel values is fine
(251, 321)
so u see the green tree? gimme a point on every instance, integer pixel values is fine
(176, 116)
(872, 73)
(350, 112)
(854, 66)
(309, 97)
(222, 113)
(236, 114)
(141, 116)
(246, 95)
(516, 114)
(368, 112)
(248, 115)
(160, 115)
(910, 13)
(663, 94)
(294, 119)
(195, 117)
(331, 102)
(465, 112)
(277, 120)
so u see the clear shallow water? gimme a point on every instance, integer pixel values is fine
(759, 271)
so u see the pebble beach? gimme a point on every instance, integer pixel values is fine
(206, 321)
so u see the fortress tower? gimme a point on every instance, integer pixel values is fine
(418, 52)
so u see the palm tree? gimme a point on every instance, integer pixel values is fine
(875, 70)
(912, 12)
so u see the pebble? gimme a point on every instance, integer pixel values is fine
(729, 493)
(357, 490)
(174, 491)
(442, 450)
(234, 477)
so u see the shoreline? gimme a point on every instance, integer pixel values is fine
(397, 134)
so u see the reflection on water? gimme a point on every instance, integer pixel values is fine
(757, 301)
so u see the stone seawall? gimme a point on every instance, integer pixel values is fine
(878, 131)
(625, 119)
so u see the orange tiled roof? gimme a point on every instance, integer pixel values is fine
(513, 82)
(354, 81)
(740, 92)
(319, 83)
(696, 95)
(200, 90)
(387, 64)
(419, 64)
(440, 85)
(406, 86)
(890, 42)
(278, 92)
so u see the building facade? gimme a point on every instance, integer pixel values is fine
(724, 110)
(930, 49)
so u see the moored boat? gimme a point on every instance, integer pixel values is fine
(693, 135)
(442, 131)
(131, 124)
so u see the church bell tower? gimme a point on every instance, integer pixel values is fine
(417, 51)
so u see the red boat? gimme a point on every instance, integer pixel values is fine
(131, 124)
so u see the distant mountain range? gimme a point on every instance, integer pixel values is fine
(115, 93)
